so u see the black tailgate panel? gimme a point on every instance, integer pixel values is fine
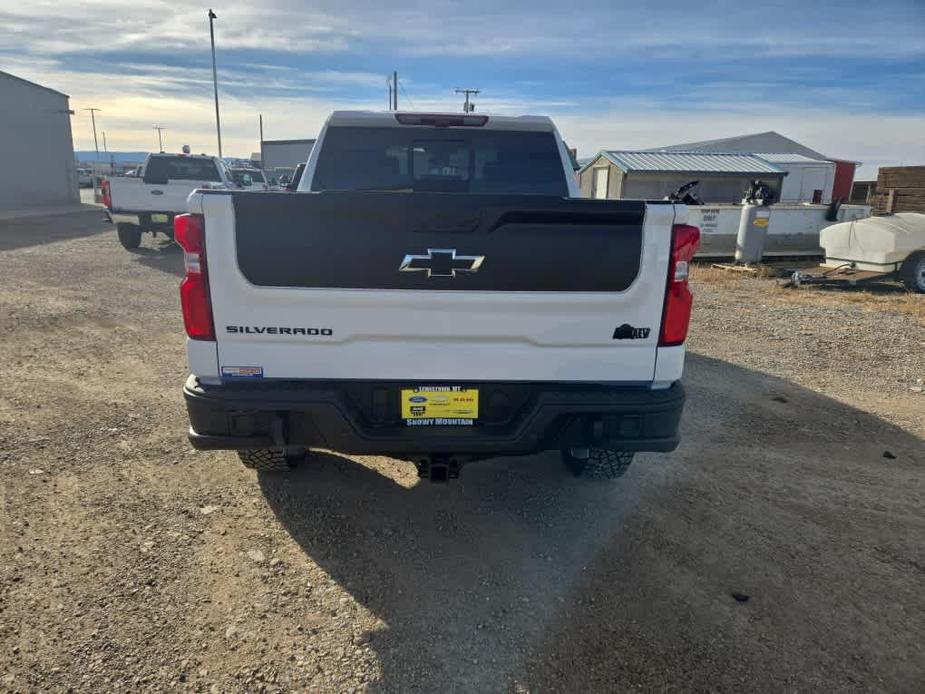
(358, 240)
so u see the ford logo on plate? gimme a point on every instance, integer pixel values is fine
(417, 398)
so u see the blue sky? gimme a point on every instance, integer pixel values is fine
(845, 78)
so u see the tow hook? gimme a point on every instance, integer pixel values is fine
(438, 468)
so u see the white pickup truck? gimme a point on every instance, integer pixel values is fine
(149, 201)
(435, 291)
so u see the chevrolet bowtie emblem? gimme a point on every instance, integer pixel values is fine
(441, 262)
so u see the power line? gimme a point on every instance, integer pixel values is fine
(405, 92)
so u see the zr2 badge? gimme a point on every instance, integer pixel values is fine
(628, 332)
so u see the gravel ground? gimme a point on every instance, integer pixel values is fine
(782, 547)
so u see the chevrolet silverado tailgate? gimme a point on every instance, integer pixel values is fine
(436, 286)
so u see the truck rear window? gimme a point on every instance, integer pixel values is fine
(182, 169)
(237, 175)
(423, 159)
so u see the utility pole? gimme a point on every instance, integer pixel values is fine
(261, 140)
(96, 144)
(395, 89)
(218, 122)
(160, 141)
(112, 158)
(467, 107)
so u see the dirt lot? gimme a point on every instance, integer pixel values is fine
(782, 547)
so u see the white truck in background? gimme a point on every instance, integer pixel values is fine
(436, 291)
(148, 201)
(250, 179)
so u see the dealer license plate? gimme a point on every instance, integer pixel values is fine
(439, 406)
(159, 218)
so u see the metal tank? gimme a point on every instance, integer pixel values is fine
(754, 223)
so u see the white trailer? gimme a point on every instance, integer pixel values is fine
(872, 250)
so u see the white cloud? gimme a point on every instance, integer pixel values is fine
(48, 27)
(151, 88)
(653, 30)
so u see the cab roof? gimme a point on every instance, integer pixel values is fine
(181, 154)
(484, 121)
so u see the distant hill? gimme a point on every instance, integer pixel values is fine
(118, 157)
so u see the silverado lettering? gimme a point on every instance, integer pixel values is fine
(276, 330)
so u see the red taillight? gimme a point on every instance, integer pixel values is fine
(189, 232)
(107, 196)
(676, 317)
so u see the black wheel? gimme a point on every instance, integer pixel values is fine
(129, 235)
(913, 273)
(598, 463)
(267, 459)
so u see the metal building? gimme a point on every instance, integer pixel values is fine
(284, 154)
(35, 138)
(653, 175)
(771, 141)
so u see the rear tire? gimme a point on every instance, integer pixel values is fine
(272, 459)
(599, 463)
(912, 273)
(129, 235)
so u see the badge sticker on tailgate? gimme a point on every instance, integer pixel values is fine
(439, 406)
(242, 372)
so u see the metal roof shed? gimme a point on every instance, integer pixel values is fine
(771, 141)
(653, 175)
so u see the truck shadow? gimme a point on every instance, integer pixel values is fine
(460, 574)
(162, 255)
(23, 232)
(484, 584)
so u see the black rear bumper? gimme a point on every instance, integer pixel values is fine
(364, 418)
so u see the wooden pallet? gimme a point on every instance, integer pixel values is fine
(744, 269)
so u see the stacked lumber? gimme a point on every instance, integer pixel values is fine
(899, 189)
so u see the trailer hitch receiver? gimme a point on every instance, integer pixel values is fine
(438, 468)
